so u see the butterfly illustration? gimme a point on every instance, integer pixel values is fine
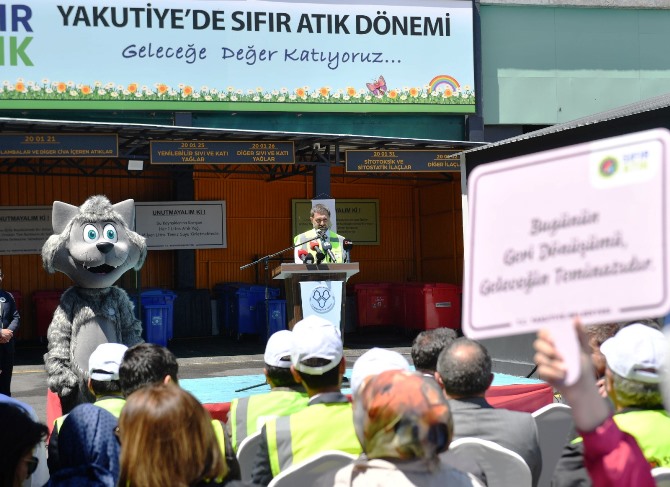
(377, 87)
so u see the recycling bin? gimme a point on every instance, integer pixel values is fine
(248, 299)
(374, 304)
(46, 303)
(157, 315)
(271, 317)
(433, 305)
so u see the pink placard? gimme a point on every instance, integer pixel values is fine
(577, 231)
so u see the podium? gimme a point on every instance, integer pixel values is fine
(294, 274)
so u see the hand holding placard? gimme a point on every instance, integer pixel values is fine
(581, 231)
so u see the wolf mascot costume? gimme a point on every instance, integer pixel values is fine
(93, 245)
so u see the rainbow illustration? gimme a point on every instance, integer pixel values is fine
(444, 79)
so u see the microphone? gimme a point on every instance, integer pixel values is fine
(347, 245)
(314, 247)
(305, 256)
(328, 247)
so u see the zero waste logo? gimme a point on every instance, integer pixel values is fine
(321, 300)
(608, 166)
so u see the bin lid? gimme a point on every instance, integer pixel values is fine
(368, 285)
(158, 292)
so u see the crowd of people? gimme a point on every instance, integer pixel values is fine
(397, 425)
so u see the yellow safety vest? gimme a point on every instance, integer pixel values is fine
(111, 404)
(320, 427)
(334, 239)
(249, 414)
(651, 430)
(220, 439)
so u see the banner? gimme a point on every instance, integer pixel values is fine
(391, 56)
(322, 298)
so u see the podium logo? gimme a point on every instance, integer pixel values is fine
(321, 300)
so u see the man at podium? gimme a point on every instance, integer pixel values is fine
(320, 243)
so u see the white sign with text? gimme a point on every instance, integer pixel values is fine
(24, 229)
(174, 225)
(577, 231)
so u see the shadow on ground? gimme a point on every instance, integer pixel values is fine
(32, 352)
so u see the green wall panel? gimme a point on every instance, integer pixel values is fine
(424, 126)
(545, 65)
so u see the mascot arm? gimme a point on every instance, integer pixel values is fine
(131, 327)
(61, 377)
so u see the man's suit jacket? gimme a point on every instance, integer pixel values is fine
(517, 431)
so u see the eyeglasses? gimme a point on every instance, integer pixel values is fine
(321, 220)
(32, 464)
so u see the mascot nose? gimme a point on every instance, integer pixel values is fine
(104, 247)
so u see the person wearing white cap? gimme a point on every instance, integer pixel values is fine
(374, 362)
(317, 361)
(636, 357)
(103, 383)
(248, 414)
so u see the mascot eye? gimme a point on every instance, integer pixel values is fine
(90, 233)
(109, 232)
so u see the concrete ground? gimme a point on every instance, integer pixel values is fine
(213, 356)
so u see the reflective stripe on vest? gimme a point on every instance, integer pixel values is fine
(249, 414)
(292, 439)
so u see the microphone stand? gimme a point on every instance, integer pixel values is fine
(266, 262)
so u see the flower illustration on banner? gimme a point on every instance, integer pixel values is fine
(442, 90)
(378, 87)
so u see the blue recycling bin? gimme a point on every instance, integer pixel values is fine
(271, 317)
(248, 299)
(157, 315)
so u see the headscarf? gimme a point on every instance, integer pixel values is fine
(403, 415)
(88, 449)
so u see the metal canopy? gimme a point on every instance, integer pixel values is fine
(635, 117)
(134, 143)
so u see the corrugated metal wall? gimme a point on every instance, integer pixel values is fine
(420, 224)
(25, 274)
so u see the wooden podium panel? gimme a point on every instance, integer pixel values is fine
(294, 274)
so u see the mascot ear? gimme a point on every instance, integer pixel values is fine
(61, 215)
(127, 211)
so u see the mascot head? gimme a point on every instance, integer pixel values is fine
(94, 244)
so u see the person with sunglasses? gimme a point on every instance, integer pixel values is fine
(18, 441)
